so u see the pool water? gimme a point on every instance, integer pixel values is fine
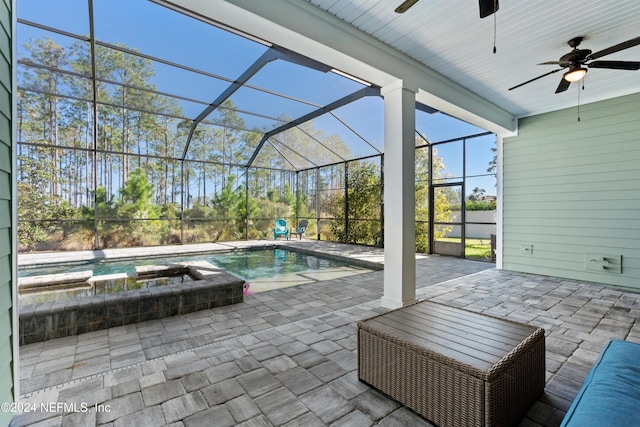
(98, 287)
(247, 265)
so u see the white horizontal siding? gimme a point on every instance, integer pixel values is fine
(572, 188)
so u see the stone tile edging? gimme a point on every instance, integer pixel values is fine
(213, 287)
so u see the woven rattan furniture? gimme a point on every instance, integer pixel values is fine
(452, 366)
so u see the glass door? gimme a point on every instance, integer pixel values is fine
(448, 219)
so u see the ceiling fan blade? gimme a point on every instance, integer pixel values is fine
(536, 78)
(615, 48)
(488, 7)
(615, 65)
(406, 5)
(564, 85)
(562, 63)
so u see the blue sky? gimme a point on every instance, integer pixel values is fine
(157, 31)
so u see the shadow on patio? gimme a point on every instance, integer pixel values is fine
(288, 356)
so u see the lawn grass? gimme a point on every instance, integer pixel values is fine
(474, 248)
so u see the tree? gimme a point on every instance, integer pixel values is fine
(143, 226)
(476, 194)
(62, 174)
(39, 215)
(138, 191)
(229, 143)
(226, 202)
(129, 71)
(442, 199)
(422, 198)
(226, 206)
(45, 107)
(493, 164)
(364, 202)
(245, 212)
(288, 197)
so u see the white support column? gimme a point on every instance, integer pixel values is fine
(500, 204)
(399, 196)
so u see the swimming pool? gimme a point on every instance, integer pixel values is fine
(247, 265)
(222, 279)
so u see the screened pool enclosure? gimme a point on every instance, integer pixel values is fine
(138, 126)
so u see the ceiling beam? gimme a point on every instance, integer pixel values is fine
(366, 91)
(265, 58)
(273, 53)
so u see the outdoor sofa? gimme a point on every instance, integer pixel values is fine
(610, 395)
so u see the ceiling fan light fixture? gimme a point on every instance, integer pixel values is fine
(575, 74)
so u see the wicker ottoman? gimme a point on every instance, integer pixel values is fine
(453, 366)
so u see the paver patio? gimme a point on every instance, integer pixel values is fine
(288, 356)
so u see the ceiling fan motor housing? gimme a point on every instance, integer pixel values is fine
(575, 42)
(575, 57)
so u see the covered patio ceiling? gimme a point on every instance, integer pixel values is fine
(446, 48)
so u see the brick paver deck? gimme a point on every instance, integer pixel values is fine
(288, 356)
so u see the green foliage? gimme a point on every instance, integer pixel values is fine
(226, 206)
(243, 212)
(444, 199)
(45, 210)
(138, 192)
(226, 203)
(422, 200)
(105, 206)
(170, 211)
(136, 206)
(288, 197)
(493, 164)
(364, 197)
(480, 205)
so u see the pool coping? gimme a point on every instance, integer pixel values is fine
(372, 265)
(367, 257)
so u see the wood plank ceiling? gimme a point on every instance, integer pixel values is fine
(449, 37)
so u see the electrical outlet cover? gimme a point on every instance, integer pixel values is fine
(603, 263)
(526, 249)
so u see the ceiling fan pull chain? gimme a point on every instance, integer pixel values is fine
(580, 90)
(495, 25)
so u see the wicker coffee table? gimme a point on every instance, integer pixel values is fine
(453, 366)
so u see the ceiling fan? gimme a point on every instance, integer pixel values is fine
(487, 7)
(579, 60)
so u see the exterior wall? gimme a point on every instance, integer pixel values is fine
(6, 218)
(573, 188)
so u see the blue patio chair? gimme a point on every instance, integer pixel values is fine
(302, 228)
(280, 229)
